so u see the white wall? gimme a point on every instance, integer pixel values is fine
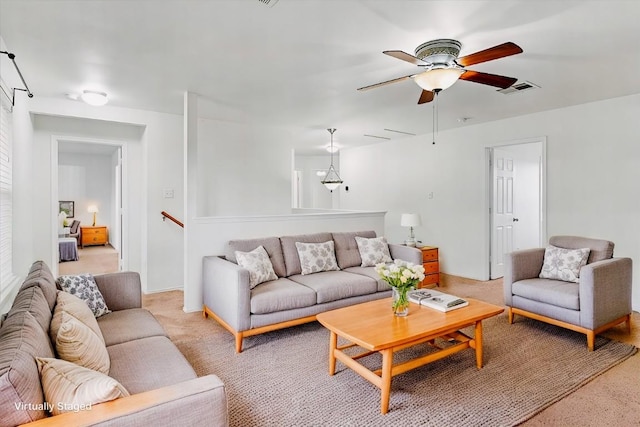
(86, 179)
(246, 169)
(592, 175)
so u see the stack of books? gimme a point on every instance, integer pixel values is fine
(437, 300)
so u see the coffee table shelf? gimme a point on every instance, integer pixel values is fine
(373, 327)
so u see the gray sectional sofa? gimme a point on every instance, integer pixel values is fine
(293, 298)
(164, 389)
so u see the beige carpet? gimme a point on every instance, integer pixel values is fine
(281, 378)
(91, 259)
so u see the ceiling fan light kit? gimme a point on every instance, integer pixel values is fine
(438, 78)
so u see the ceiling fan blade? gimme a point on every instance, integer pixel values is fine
(405, 57)
(488, 79)
(399, 79)
(496, 52)
(426, 96)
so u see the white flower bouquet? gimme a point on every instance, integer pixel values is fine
(402, 276)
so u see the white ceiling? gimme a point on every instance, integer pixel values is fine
(298, 63)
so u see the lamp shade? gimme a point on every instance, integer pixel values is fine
(438, 79)
(410, 220)
(92, 209)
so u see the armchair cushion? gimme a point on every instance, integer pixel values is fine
(600, 249)
(563, 264)
(547, 291)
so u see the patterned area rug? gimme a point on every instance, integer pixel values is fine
(281, 378)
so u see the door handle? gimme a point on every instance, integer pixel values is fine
(515, 220)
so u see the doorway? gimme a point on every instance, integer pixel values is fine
(517, 200)
(91, 174)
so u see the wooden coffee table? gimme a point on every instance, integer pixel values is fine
(373, 327)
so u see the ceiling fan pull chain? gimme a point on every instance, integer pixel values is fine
(435, 116)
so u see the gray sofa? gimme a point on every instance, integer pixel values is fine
(164, 389)
(293, 298)
(599, 300)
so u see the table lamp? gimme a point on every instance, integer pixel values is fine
(410, 220)
(94, 210)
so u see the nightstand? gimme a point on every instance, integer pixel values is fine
(431, 266)
(94, 235)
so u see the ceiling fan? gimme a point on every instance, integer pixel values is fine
(442, 67)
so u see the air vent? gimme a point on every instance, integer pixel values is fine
(519, 87)
(269, 3)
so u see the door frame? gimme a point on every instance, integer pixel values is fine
(488, 199)
(124, 194)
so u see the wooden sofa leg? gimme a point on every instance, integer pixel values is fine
(628, 322)
(238, 342)
(591, 339)
(510, 311)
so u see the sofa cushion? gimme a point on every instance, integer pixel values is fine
(40, 275)
(316, 257)
(335, 285)
(258, 265)
(33, 300)
(84, 287)
(370, 272)
(78, 343)
(21, 340)
(373, 250)
(148, 363)
(600, 249)
(547, 291)
(347, 253)
(270, 244)
(75, 307)
(116, 326)
(279, 295)
(563, 264)
(70, 388)
(290, 252)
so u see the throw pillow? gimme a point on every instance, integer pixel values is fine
(69, 388)
(316, 257)
(77, 343)
(563, 264)
(75, 307)
(84, 287)
(258, 264)
(373, 250)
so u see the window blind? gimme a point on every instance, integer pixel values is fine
(6, 196)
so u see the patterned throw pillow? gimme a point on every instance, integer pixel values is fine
(259, 265)
(68, 387)
(373, 251)
(563, 264)
(84, 287)
(316, 257)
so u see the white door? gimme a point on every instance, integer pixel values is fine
(502, 219)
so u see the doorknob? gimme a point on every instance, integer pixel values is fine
(515, 220)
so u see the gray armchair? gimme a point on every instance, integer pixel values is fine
(74, 231)
(600, 300)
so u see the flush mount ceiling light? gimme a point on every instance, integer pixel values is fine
(332, 148)
(93, 97)
(331, 179)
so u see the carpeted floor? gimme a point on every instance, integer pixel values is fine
(281, 378)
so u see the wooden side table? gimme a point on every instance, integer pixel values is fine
(431, 266)
(94, 235)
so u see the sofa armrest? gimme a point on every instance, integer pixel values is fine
(605, 291)
(226, 291)
(121, 290)
(406, 253)
(200, 401)
(520, 265)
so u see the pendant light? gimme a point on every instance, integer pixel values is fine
(331, 179)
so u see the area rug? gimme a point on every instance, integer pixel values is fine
(281, 378)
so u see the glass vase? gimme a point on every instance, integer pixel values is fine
(400, 300)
